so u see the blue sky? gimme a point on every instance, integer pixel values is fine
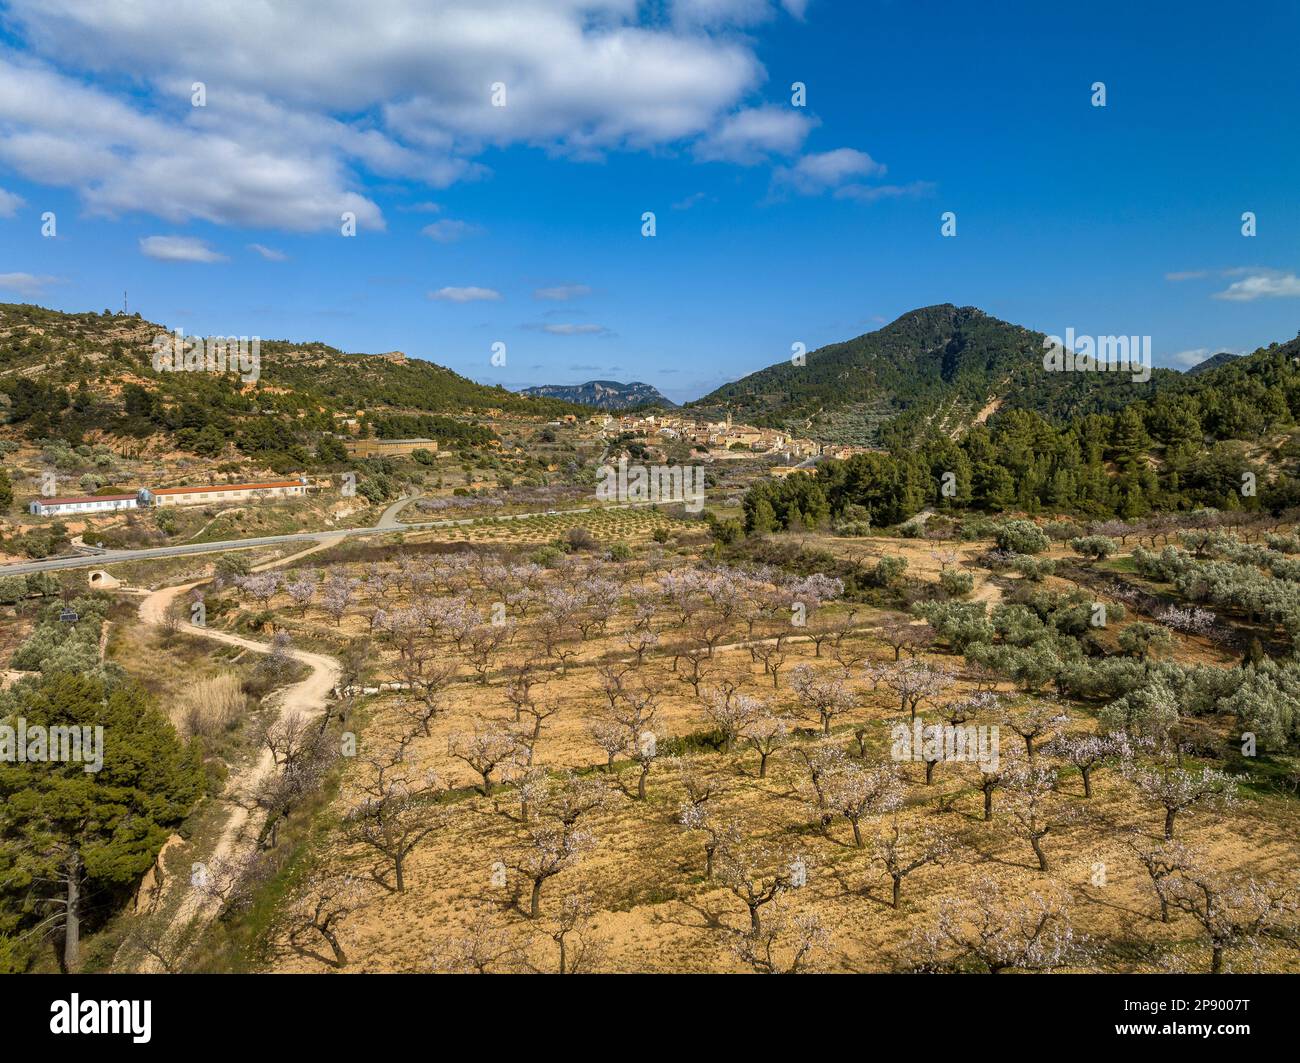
(522, 224)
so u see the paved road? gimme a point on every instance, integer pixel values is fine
(109, 557)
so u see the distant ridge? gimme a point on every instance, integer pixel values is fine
(1213, 362)
(602, 394)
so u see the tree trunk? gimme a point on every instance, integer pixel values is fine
(1087, 781)
(988, 803)
(1170, 813)
(762, 765)
(1038, 852)
(898, 888)
(72, 923)
(754, 924)
(535, 908)
(857, 834)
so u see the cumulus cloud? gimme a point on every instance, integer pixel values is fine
(269, 253)
(449, 230)
(562, 292)
(1261, 284)
(178, 249)
(466, 295)
(751, 135)
(31, 285)
(287, 134)
(820, 172)
(9, 203)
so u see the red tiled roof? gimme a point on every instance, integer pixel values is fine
(223, 487)
(84, 498)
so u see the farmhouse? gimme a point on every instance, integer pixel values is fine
(192, 496)
(45, 507)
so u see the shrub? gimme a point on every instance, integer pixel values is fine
(956, 584)
(1093, 547)
(1022, 537)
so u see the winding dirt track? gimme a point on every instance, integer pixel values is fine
(238, 836)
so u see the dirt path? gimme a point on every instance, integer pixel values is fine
(306, 697)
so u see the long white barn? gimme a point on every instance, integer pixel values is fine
(167, 496)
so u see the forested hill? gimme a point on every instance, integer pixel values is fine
(1227, 438)
(946, 366)
(63, 375)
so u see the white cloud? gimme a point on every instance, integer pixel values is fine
(178, 249)
(250, 164)
(690, 201)
(449, 230)
(575, 330)
(1261, 284)
(871, 193)
(287, 133)
(822, 171)
(9, 203)
(465, 295)
(562, 292)
(751, 135)
(269, 253)
(29, 284)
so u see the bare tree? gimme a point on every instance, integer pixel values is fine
(719, 831)
(327, 901)
(397, 811)
(901, 854)
(826, 695)
(757, 876)
(781, 944)
(485, 749)
(1161, 860)
(485, 947)
(1177, 789)
(900, 633)
(1233, 912)
(1088, 752)
(1028, 795)
(765, 733)
(1034, 722)
(550, 848)
(1002, 932)
(914, 681)
(579, 952)
(854, 791)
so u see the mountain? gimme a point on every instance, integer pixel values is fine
(1213, 362)
(944, 367)
(603, 394)
(64, 376)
